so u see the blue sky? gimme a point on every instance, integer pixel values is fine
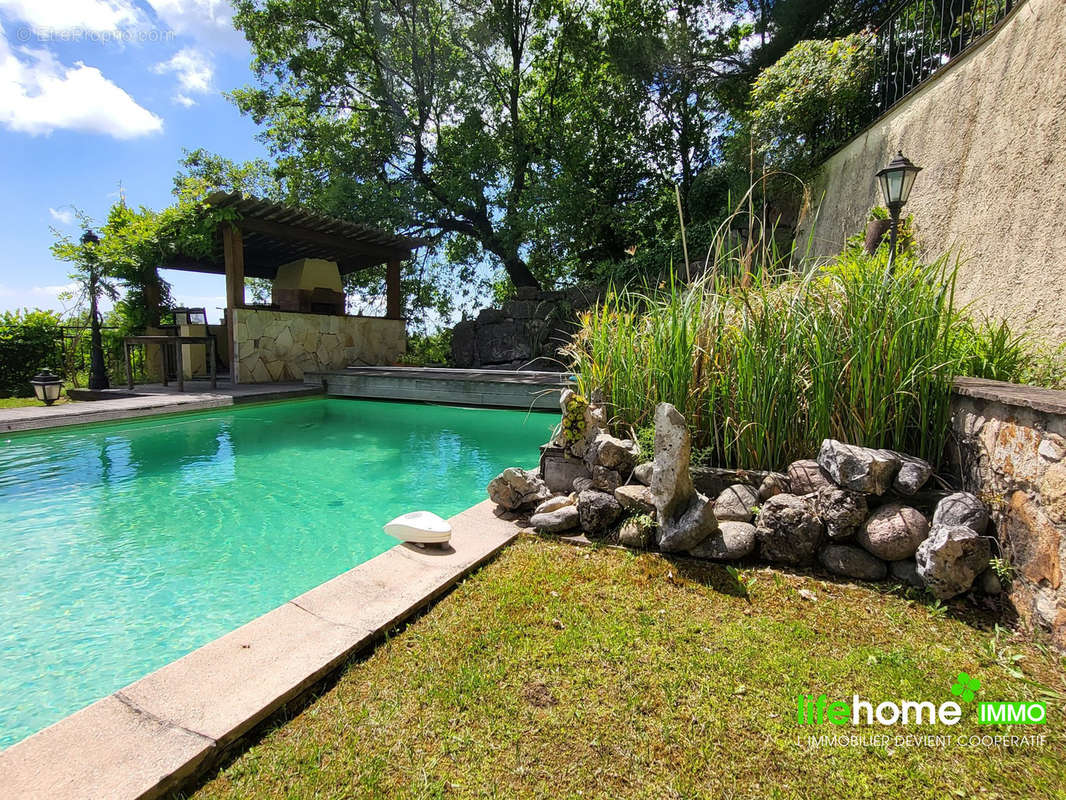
(95, 94)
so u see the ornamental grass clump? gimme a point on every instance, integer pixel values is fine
(766, 368)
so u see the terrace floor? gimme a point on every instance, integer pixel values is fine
(559, 671)
(145, 400)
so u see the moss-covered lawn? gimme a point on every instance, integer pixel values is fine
(565, 672)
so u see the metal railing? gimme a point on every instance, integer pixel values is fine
(919, 37)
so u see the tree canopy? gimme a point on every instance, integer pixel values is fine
(530, 142)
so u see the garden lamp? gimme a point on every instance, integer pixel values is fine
(46, 386)
(896, 181)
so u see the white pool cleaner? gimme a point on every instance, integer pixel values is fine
(421, 528)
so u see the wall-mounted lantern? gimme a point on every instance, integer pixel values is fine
(896, 180)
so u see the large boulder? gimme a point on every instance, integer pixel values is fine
(962, 508)
(682, 533)
(635, 499)
(612, 453)
(774, 483)
(515, 489)
(637, 532)
(735, 504)
(852, 562)
(642, 472)
(894, 531)
(806, 476)
(559, 469)
(950, 559)
(606, 480)
(555, 503)
(731, 541)
(862, 469)
(788, 530)
(598, 512)
(906, 571)
(913, 474)
(842, 511)
(559, 520)
(685, 517)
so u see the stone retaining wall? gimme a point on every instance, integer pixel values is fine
(1010, 442)
(282, 345)
(525, 333)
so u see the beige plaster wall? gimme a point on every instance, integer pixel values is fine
(309, 273)
(281, 345)
(990, 132)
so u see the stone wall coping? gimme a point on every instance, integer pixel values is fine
(1049, 401)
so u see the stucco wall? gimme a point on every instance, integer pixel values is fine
(281, 345)
(990, 132)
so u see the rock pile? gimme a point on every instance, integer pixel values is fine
(856, 511)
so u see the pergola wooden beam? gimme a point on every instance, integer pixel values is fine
(343, 249)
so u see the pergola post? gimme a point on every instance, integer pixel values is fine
(393, 298)
(233, 256)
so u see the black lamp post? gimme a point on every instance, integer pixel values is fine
(97, 371)
(46, 386)
(896, 181)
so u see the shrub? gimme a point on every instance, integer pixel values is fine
(800, 103)
(29, 340)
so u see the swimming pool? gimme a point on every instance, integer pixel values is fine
(124, 546)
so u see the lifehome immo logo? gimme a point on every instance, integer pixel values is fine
(820, 710)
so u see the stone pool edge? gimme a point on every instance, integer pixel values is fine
(157, 734)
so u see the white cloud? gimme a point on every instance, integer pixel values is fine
(64, 216)
(194, 71)
(39, 95)
(13, 298)
(71, 15)
(206, 21)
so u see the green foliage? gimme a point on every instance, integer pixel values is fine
(29, 341)
(796, 102)
(764, 372)
(429, 349)
(987, 349)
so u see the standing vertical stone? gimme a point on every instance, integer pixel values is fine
(685, 516)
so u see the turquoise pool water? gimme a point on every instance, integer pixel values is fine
(125, 546)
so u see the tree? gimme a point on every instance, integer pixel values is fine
(441, 108)
(94, 277)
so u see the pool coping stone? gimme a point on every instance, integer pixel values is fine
(157, 734)
(124, 406)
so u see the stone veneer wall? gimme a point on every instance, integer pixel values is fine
(988, 130)
(1010, 445)
(282, 346)
(525, 333)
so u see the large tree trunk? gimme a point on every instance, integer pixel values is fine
(519, 272)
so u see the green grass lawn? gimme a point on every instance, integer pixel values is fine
(22, 402)
(565, 672)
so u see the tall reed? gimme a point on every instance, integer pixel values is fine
(767, 367)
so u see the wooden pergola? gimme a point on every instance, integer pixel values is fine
(267, 235)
